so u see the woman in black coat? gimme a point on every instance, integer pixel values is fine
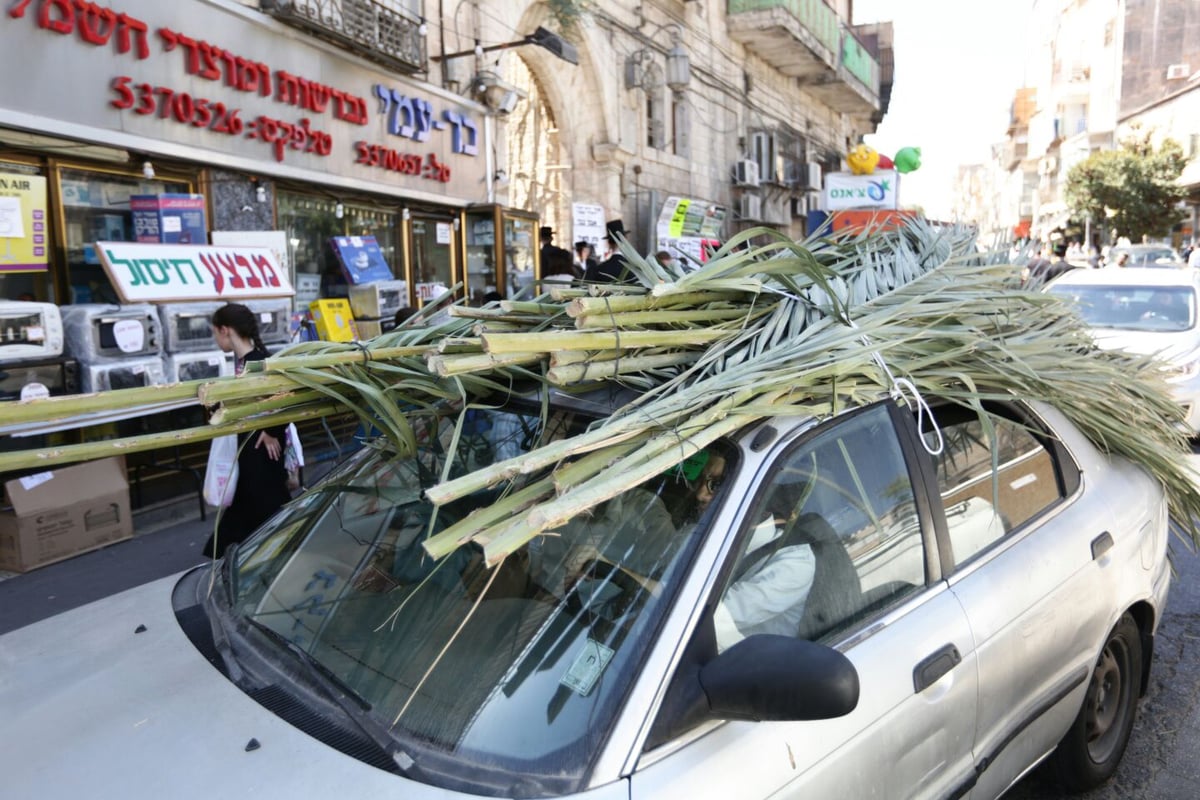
(262, 479)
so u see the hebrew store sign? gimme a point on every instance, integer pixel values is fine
(220, 78)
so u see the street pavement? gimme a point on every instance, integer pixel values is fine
(166, 540)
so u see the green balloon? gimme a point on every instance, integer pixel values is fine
(907, 159)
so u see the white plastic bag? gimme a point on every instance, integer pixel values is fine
(220, 479)
(293, 456)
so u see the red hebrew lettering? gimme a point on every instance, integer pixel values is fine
(252, 280)
(18, 9)
(263, 264)
(319, 98)
(211, 55)
(192, 57)
(253, 76)
(65, 23)
(235, 281)
(96, 24)
(287, 88)
(140, 30)
(214, 269)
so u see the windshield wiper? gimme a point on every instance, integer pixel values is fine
(352, 705)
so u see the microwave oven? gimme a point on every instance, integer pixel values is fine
(29, 331)
(31, 380)
(187, 326)
(274, 318)
(129, 373)
(180, 367)
(378, 299)
(96, 332)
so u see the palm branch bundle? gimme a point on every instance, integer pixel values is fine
(760, 330)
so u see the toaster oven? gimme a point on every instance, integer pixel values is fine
(186, 326)
(31, 380)
(96, 332)
(274, 319)
(29, 331)
(129, 373)
(179, 367)
(378, 299)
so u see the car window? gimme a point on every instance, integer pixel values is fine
(832, 536)
(1140, 308)
(983, 506)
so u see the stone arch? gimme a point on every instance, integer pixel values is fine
(583, 102)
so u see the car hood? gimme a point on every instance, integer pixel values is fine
(94, 708)
(1171, 346)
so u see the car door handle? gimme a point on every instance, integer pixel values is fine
(934, 667)
(1101, 545)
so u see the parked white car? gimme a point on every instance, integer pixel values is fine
(811, 609)
(1147, 311)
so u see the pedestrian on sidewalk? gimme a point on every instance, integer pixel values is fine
(262, 478)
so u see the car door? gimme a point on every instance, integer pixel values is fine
(905, 632)
(1021, 561)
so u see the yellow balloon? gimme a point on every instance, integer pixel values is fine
(862, 159)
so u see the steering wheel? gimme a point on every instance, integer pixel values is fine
(608, 574)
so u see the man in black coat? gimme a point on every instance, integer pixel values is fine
(613, 268)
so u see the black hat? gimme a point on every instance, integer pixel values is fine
(615, 226)
(546, 232)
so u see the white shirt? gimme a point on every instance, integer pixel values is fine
(770, 598)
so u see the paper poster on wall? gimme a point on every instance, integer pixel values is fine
(443, 232)
(23, 233)
(587, 223)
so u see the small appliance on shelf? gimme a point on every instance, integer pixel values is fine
(29, 331)
(129, 373)
(98, 332)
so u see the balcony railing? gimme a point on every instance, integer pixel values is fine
(372, 29)
(806, 40)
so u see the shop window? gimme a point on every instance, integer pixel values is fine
(96, 209)
(432, 256)
(19, 284)
(310, 222)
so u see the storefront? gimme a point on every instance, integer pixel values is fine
(275, 131)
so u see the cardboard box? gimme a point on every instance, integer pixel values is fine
(64, 512)
(333, 319)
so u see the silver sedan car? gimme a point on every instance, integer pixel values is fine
(810, 609)
(1146, 311)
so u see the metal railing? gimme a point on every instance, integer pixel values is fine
(815, 16)
(375, 30)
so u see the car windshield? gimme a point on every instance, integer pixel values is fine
(515, 672)
(1133, 308)
(1148, 256)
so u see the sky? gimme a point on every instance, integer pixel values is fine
(958, 64)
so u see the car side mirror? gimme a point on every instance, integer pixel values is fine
(766, 677)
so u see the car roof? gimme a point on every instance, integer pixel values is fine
(1137, 248)
(1127, 276)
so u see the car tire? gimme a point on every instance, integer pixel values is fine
(1090, 752)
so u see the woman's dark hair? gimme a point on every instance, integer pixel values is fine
(241, 319)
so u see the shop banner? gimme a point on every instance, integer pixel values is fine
(156, 273)
(23, 234)
(691, 228)
(844, 190)
(169, 218)
(361, 259)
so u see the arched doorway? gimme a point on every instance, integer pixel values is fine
(534, 155)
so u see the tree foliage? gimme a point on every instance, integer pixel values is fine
(1135, 187)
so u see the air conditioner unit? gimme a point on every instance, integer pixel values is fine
(799, 207)
(812, 175)
(750, 207)
(745, 173)
(1177, 72)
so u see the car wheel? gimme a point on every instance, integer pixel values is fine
(1088, 755)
